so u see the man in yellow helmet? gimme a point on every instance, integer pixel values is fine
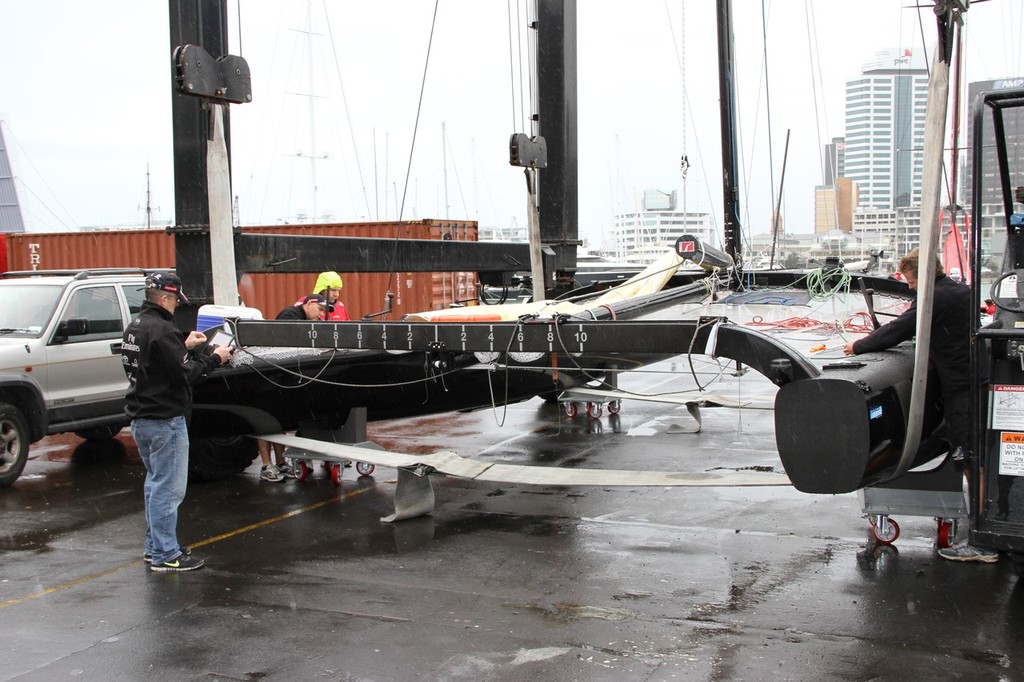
(328, 285)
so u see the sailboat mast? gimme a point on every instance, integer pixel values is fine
(149, 202)
(730, 172)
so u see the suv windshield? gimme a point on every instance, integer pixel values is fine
(25, 309)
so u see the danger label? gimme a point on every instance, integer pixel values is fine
(1011, 454)
(687, 247)
(1007, 407)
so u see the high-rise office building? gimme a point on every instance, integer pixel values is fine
(884, 141)
(834, 160)
(992, 221)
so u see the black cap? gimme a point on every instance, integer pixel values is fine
(314, 297)
(166, 281)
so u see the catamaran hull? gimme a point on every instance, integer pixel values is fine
(843, 431)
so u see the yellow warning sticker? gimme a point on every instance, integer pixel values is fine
(1011, 454)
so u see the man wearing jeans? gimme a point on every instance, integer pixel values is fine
(161, 371)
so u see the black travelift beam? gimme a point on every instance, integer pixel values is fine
(300, 253)
(202, 23)
(626, 337)
(556, 100)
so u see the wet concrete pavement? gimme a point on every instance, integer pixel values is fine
(502, 582)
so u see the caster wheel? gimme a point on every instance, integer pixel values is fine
(570, 409)
(614, 406)
(885, 531)
(946, 535)
(302, 470)
(595, 410)
(336, 474)
(365, 468)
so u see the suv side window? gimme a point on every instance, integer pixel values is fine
(98, 305)
(135, 294)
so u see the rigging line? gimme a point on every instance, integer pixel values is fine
(511, 65)
(260, 127)
(523, 113)
(42, 203)
(820, 114)
(928, 68)
(696, 139)
(419, 108)
(238, 16)
(458, 180)
(945, 170)
(348, 112)
(24, 155)
(814, 57)
(531, 75)
(768, 109)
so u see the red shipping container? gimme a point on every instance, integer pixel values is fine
(362, 294)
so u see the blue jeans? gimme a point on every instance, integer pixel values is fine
(163, 446)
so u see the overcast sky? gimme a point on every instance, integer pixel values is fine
(85, 104)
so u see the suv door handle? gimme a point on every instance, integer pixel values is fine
(115, 348)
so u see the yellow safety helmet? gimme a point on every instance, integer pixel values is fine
(327, 280)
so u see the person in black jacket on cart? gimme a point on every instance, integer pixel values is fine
(161, 370)
(311, 307)
(950, 357)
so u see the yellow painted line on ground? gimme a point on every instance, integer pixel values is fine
(208, 541)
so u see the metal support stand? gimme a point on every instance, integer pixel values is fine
(414, 493)
(938, 493)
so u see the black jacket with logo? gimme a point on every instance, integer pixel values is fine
(160, 370)
(292, 312)
(950, 341)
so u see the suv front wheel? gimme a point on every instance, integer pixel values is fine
(14, 442)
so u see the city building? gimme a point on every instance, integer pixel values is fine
(643, 235)
(835, 160)
(834, 205)
(883, 149)
(992, 221)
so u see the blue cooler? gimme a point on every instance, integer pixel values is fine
(214, 315)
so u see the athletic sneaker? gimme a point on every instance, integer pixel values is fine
(271, 473)
(966, 552)
(148, 558)
(180, 563)
(287, 470)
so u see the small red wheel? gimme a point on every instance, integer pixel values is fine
(570, 409)
(336, 474)
(365, 468)
(886, 531)
(614, 406)
(302, 470)
(946, 535)
(595, 410)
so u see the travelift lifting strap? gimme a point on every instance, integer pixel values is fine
(222, 242)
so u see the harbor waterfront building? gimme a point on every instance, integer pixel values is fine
(642, 235)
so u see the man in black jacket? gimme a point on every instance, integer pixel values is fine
(949, 356)
(161, 371)
(311, 307)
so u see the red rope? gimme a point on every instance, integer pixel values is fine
(857, 323)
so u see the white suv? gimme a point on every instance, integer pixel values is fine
(60, 356)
